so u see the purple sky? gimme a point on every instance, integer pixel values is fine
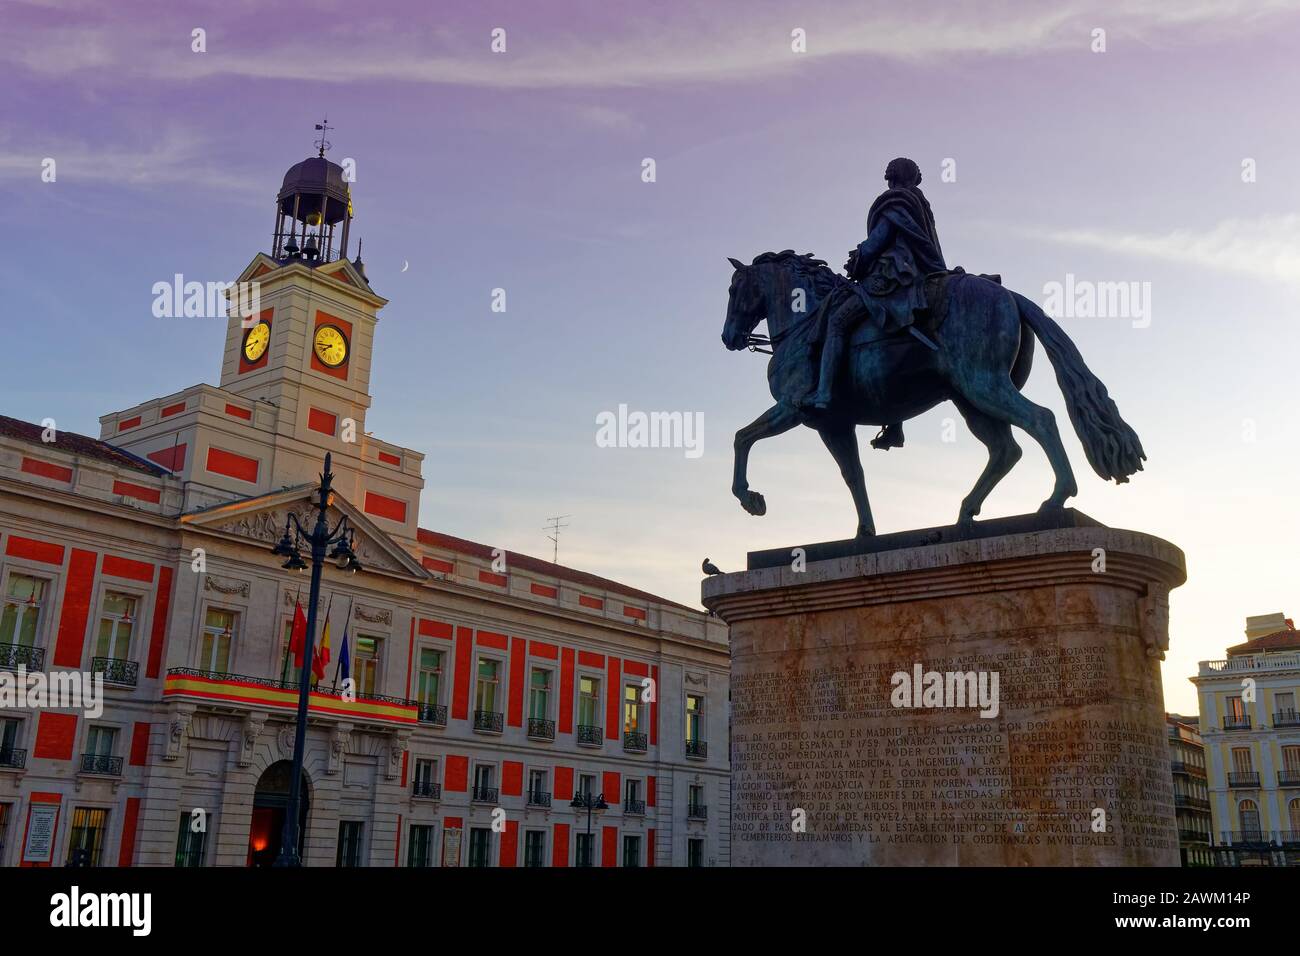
(522, 171)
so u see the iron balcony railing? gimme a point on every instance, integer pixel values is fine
(427, 789)
(1290, 838)
(101, 764)
(488, 721)
(697, 748)
(634, 743)
(589, 735)
(1248, 838)
(12, 655)
(634, 806)
(11, 758)
(697, 811)
(333, 690)
(116, 671)
(1237, 723)
(484, 794)
(1243, 780)
(1193, 836)
(539, 798)
(1182, 766)
(435, 714)
(541, 729)
(1188, 800)
(1287, 718)
(1288, 778)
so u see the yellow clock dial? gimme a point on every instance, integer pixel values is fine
(331, 346)
(256, 341)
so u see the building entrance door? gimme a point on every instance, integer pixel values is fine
(270, 800)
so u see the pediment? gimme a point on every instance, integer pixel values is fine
(262, 519)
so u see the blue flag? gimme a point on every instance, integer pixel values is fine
(344, 670)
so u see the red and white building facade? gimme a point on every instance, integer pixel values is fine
(490, 686)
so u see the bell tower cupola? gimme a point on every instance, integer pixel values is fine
(313, 209)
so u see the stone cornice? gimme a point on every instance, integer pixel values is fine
(1133, 561)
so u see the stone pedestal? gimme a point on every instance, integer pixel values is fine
(1063, 763)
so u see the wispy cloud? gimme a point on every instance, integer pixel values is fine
(1267, 247)
(547, 51)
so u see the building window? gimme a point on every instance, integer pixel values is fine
(1293, 814)
(1248, 813)
(587, 785)
(535, 848)
(4, 828)
(1241, 760)
(631, 850)
(631, 709)
(189, 844)
(480, 841)
(86, 844)
(539, 694)
(420, 850)
(484, 788)
(1236, 710)
(485, 693)
(218, 635)
(694, 718)
(20, 620)
(117, 620)
(101, 743)
(426, 779)
(694, 852)
(584, 846)
(539, 793)
(366, 656)
(349, 852)
(430, 679)
(9, 727)
(588, 702)
(632, 802)
(1291, 759)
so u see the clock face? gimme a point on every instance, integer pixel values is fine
(331, 346)
(256, 341)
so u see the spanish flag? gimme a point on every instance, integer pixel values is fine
(321, 654)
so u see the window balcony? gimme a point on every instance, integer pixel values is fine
(697, 749)
(1247, 838)
(484, 794)
(433, 714)
(11, 758)
(489, 721)
(636, 807)
(1193, 836)
(1287, 718)
(590, 736)
(13, 655)
(1243, 781)
(1288, 778)
(538, 798)
(1193, 802)
(697, 811)
(1291, 839)
(101, 765)
(116, 671)
(427, 790)
(1237, 723)
(634, 743)
(541, 729)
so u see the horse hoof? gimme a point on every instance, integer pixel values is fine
(754, 503)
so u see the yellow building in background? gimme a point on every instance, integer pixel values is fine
(1251, 729)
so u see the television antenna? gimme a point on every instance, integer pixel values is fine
(554, 525)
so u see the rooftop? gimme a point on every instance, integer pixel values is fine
(74, 444)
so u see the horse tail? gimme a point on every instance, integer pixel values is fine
(1112, 446)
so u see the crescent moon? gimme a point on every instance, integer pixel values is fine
(405, 265)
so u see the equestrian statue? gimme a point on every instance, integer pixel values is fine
(898, 335)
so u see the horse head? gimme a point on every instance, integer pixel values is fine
(746, 306)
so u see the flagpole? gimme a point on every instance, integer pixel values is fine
(325, 630)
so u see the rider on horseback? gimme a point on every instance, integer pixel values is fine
(889, 268)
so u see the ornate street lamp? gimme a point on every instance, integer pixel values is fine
(581, 800)
(320, 537)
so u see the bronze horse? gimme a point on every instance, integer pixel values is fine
(985, 335)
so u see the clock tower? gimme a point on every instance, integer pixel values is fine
(295, 373)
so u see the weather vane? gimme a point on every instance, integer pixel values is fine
(323, 144)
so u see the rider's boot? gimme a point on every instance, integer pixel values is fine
(832, 352)
(891, 436)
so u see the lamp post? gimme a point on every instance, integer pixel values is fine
(581, 800)
(320, 537)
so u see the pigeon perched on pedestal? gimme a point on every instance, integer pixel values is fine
(708, 567)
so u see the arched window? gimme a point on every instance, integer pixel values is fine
(1294, 812)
